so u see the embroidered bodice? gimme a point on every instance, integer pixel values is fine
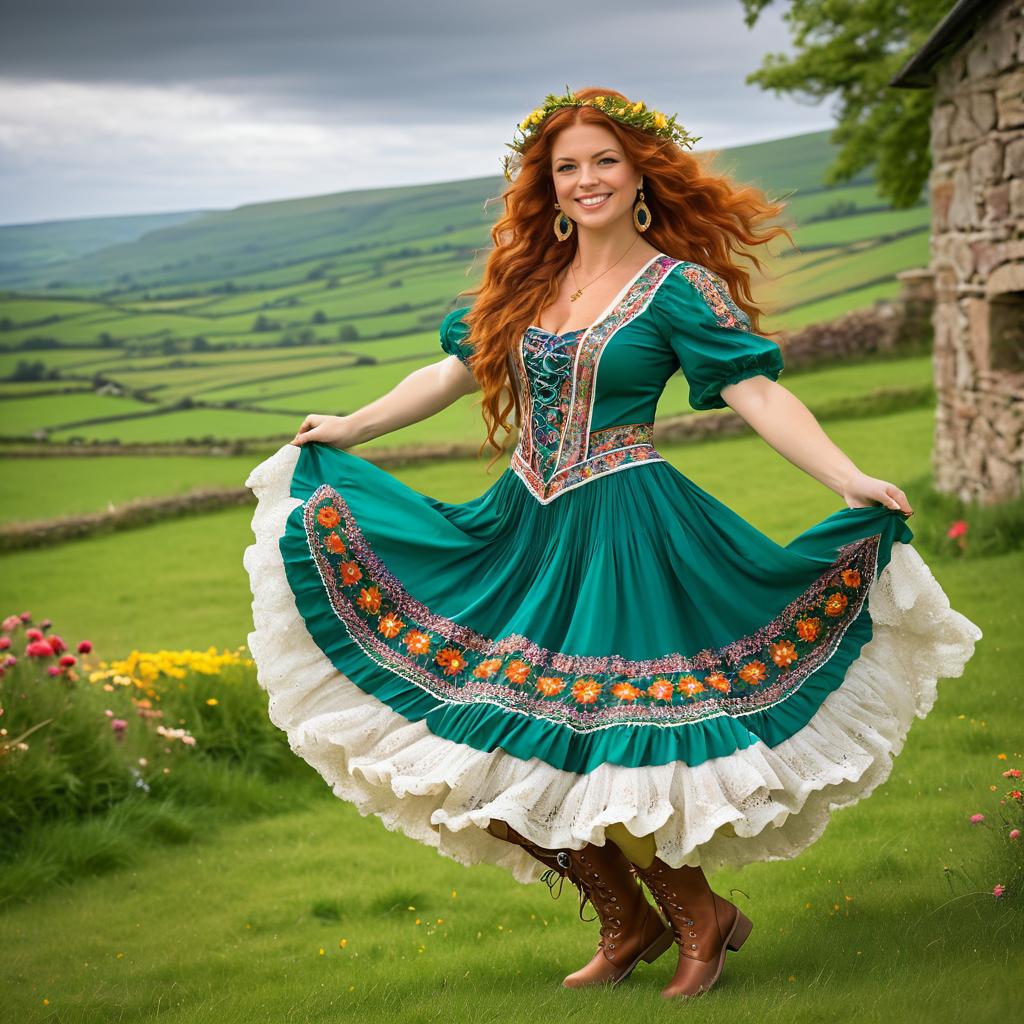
(590, 396)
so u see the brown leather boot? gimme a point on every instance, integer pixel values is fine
(631, 929)
(704, 924)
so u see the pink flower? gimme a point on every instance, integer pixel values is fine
(998, 890)
(34, 634)
(957, 529)
(54, 670)
(10, 660)
(5, 642)
(977, 819)
(68, 659)
(46, 624)
(39, 649)
(11, 623)
(1015, 833)
(118, 725)
(26, 616)
(84, 646)
(1012, 773)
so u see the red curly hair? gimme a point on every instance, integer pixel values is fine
(696, 216)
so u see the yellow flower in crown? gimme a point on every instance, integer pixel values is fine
(637, 115)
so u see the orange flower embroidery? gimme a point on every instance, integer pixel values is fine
(626, 691)
(550, 685)
(836, 604)
(517, 671)
(487, 668)
(369, 599)
(808, 629)
(334, 543)
(585, 691)
(660, 689)
(350, 573)
(753, 672)
(451, 660)
(851, 577)
(328, 516)
(690, 685)
(718, 681)
(417, 642)
(783, 653)
(390, 625)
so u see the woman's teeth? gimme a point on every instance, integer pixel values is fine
(590, 203)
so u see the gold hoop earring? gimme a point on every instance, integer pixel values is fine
(563, 226)
(641, 214)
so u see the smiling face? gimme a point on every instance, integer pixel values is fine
(587, 163)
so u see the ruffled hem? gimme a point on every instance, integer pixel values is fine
(756, 804)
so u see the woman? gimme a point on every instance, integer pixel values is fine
(604, 673)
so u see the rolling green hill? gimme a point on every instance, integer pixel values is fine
(226, 325)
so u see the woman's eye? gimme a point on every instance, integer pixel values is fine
(601, 161)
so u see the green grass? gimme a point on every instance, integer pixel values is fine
(54, 487)
(231, 928)
(225, 921)
(203, 596)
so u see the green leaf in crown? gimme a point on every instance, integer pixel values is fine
(637, 115)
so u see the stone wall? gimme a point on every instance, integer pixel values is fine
(977, 193)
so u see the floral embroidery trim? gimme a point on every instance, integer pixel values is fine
(457, 665)
(715, 293)
(614, 448)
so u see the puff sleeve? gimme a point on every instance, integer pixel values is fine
(711, 335)
(454, 335)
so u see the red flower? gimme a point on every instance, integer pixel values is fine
(5, 642)
(957, 529)
(39, 649)
(68, 659)
(57, 644)
(84, 646)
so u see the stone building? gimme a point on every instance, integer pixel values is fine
(975, 60)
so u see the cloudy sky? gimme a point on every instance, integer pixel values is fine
(140, 106)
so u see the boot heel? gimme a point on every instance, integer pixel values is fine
(743, 927)
(658, 946)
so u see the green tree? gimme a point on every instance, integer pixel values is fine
(854, 48)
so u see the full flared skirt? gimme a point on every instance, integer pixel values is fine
(634, 652)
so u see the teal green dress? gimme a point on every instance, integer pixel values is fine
(595, 638)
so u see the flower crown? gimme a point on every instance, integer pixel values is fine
(637, 115)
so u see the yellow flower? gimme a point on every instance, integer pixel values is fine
(660, 120)
(598, 101)
(638, 106)
(212, 700)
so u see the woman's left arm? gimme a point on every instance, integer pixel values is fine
(792, 430)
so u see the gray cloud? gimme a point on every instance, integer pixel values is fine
(445, 69)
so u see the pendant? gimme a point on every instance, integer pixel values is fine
(575, 295)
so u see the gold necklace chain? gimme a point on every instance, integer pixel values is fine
(579, 291)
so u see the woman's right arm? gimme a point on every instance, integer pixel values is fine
(418, 396)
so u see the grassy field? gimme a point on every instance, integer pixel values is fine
(202, 596)
(321, 915)
(327, 299)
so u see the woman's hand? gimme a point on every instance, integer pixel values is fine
(861, 490)
(335, 431)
